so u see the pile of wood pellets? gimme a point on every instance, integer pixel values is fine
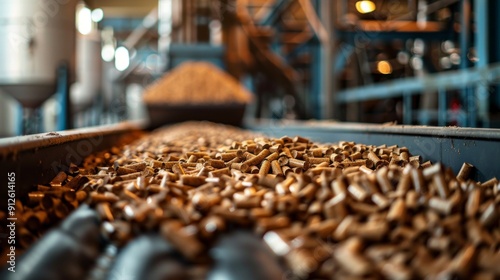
(328, 211)
(193, 83)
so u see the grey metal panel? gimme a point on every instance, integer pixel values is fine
(450, 145)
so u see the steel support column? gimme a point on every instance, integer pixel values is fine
(442, 107)
(316, 87)
(313, 100)
(325, 12)
(494, 30)
(465, 43)
(482, 50)
(407, 108)
(64, 117)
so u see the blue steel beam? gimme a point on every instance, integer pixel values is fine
(413, 86)
(481, 38)
(467, 94)
(494, 30)
(442, 107)
(345, 51)
(302, 47)
(482, 49)
(314, 96)
(351, 36)
(273, 16)
(63, 121)
(407, 109)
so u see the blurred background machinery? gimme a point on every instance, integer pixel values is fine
(417, 62)
(37, 51)
(431, 62)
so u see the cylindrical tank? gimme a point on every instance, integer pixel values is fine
(88, 71)
(36, 36)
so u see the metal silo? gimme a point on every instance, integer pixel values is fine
(36, 37)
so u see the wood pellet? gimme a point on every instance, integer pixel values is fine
(329, 211)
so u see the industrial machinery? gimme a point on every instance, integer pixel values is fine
(37, 39)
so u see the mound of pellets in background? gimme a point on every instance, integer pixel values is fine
(196, 83)
(328, 211)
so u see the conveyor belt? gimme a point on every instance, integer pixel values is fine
(326, 225)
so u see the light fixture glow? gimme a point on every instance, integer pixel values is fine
(417, 63)
(455, 58)
(445, 62)
(84, 21)
(153, 62)
(97, 15)
(122, 58)
(108, 52)
(365, 7)
(384, 67)
(403, 57)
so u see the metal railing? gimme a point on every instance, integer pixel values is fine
(477, 78)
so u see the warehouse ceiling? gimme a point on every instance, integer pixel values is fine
(123, 8)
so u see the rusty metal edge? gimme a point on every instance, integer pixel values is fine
(11, 146)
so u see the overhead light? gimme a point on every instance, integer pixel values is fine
(365, 7)
(445, 62)
(384, 67)
(108, 52)
(455, 58)
(97, 15)
(417, 63)
(448, 46)
(84, 21)
(153, 62)
(418, 46)
(403, 57)
(122, 58)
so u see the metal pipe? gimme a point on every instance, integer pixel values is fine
(147, 23)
